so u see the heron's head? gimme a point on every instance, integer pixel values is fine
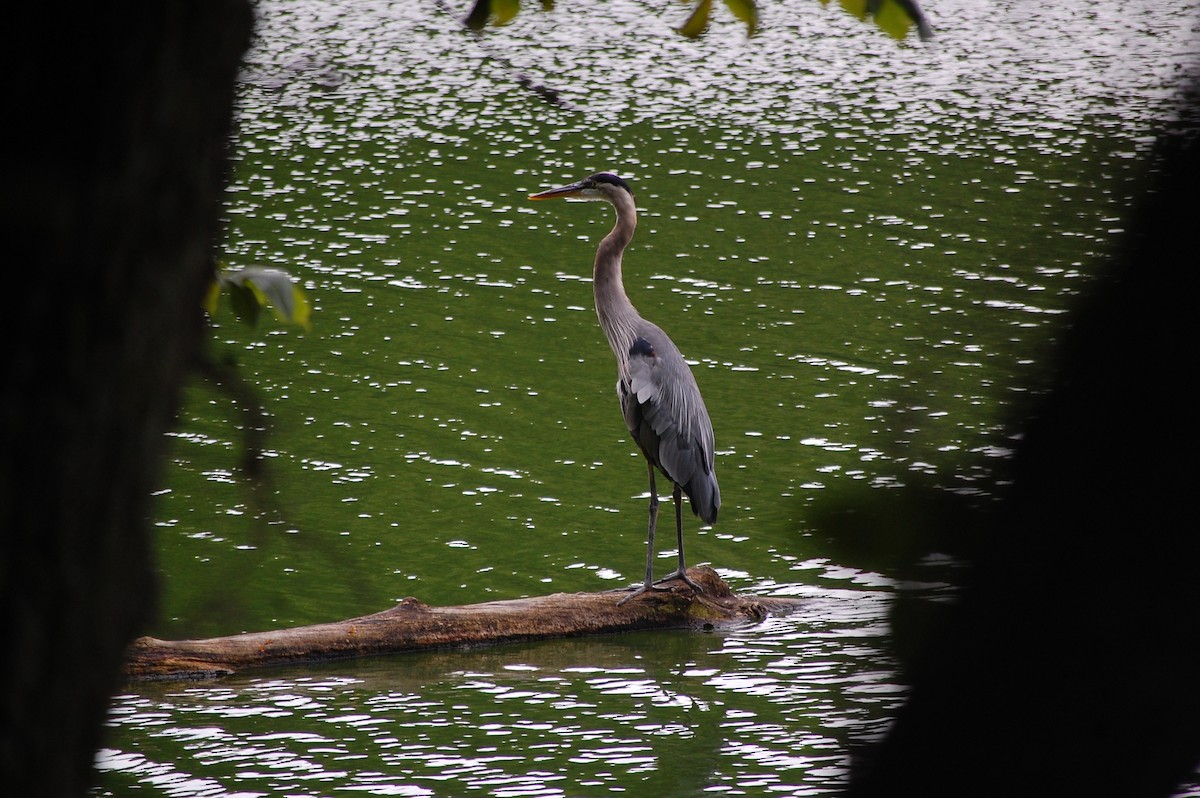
(600, 186)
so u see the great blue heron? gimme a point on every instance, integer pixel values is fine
(659, 398)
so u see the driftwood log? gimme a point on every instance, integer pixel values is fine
(414, 626)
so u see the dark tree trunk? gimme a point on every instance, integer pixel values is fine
(118, 124)
(1069, 665)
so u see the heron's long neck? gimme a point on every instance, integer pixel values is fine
(617, 316)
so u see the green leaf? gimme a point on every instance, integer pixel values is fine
(893, 19)
(747, 12)
(503, 11)
(697, 21)
(912, 9)
(245, 303)
(212, 297)
(274, 288)
(497, 12)
(255, 287)
(856, 7)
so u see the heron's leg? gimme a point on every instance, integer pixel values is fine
(648, 584)
(681, 571)
(653, 524)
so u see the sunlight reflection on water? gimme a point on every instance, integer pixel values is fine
(751, 705)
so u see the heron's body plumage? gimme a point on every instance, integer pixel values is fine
(665, 414)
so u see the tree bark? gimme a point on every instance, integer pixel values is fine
(414, 626)
(114, 168)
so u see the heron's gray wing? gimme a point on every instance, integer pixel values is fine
(665, 414)
(646, 401)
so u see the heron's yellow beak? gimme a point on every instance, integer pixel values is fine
(572, 190)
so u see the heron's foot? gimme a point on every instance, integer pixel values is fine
(680, 575)
(637, 590)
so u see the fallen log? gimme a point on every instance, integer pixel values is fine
(414, 626)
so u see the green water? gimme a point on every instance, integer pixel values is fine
(866, 249)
